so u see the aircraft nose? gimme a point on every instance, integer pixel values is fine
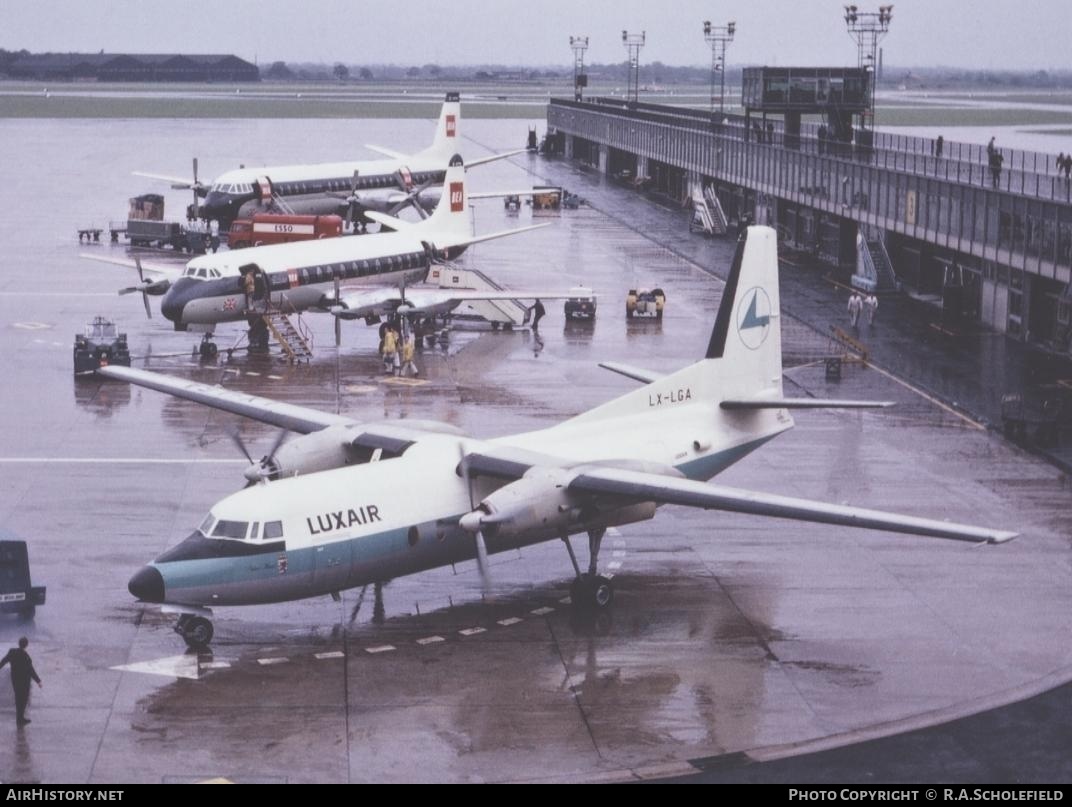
(171, 307)
(147, 584)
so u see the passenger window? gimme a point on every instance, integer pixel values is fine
(273, 529)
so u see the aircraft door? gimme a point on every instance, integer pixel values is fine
(332, 566)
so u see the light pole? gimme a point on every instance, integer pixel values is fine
(719, 36)
(633, 43)
(580, 80)
(867, 28)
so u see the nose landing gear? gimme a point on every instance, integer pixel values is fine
(195, 630)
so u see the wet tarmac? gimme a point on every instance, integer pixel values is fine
(729, 636)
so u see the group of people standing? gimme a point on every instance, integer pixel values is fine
(1064, 164)
(397, 347)
(858, 304)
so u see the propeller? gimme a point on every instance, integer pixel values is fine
(146, 287)
(412, 198)
(338, 322)
(473, 522)
(353, 202)
(266, 468)
(198, 190)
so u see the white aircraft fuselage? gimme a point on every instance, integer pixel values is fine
(315, 187)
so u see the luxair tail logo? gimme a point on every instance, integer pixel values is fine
(452, 125)
(456, 197)
(753, 318)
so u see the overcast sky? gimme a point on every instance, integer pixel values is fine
(983, 34)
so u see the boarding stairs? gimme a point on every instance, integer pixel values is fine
(707, 213)
(292, 335)
(500, 313)
(874, 269)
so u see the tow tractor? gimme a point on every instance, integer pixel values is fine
(99, 345)
(645, 302)
(17, 595)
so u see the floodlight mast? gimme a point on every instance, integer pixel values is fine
(633, 43)
(579, 44)
(718, 36)
(867, 28)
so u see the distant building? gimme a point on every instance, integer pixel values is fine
(149, 67)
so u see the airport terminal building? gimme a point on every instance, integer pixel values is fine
(985, 233)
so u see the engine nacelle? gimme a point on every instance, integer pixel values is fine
(319, 451)
(537, 502)
(541, 504)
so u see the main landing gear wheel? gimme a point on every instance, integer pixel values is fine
(196, 630)
(592, 592)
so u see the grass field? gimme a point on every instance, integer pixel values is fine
(524, 100)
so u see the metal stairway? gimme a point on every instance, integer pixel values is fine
(296, 341)
(708, 215)
(874, 269)
(507, 313)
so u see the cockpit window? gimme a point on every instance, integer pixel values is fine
(206, 525)
(202, 273)
(254, 530)
(273, 529)
(230, 529)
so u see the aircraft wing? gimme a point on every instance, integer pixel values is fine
(648, 486)
(178, 182)
(164, 270)
(286, 416)
(366, 302)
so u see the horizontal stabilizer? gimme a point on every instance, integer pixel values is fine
(629, 371)
(500, 194)
(395, 155)
(445, 243)
(803, 403)
(389, 221)
(493, 157)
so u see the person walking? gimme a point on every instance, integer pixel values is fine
(537, 314)
(409, 346)
(855, 304)
(871, 303)
(22, 672)
(939, 145)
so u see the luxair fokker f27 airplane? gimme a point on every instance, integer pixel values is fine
(380, 185)
(332, 510)
(350, 277)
